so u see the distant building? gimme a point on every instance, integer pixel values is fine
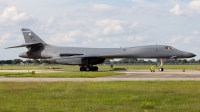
(21, 63)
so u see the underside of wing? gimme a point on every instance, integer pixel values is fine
(74, 56)
(78, 60)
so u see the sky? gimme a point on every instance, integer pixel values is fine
(101, 23)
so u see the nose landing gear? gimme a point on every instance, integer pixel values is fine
(161, 69)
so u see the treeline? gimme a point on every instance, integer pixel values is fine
(107, 61)
(142, 61)
(19, 61)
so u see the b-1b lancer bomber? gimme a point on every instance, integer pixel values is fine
(87, 58)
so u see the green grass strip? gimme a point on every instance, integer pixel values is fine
(139, 96)
(63, 74)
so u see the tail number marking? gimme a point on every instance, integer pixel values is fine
(32, 38)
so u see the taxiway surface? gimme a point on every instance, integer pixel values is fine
(137, 75)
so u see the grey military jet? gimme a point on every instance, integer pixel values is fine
(86, 58)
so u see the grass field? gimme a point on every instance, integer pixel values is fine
(63, 74)
(100, 96)
(101, 67)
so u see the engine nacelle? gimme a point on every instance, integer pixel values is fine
(23, 55)
(34, 55)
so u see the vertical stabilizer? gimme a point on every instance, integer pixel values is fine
(31, 37)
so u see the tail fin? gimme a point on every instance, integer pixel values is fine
(31, 37)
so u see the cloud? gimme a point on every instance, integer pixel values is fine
(122, 39)
(190, 8)
(49, 26)
(102, 7)
(195, 32)
(177, 10)
(75, 33)
(134, 25)
(86, 42)
(11, 38)
(108, 39)
(12, 15)
(61, 38)
(175, 39)
(74, 22)
(99, 7)
(106, 9)
(50, 21)
(187, 40)
(182, 39)
(135, 38)
(111, 28)
(195, 4)
(138, 1)
(108, 26)
(4, 38)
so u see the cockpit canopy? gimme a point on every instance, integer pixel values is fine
(170, 48)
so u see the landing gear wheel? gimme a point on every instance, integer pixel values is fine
(161, 69)
(82, 69)
(95, 68)
(87, 68)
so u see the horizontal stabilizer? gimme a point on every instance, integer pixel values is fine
(25, 45)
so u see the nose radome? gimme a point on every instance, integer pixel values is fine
(191, 55)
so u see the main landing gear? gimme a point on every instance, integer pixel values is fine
(161, 69)
(89, 68)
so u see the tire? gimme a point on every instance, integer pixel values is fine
(161, 69)
(96, 68)
(82, 69)
(87, 68)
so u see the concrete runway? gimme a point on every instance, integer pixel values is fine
(136, 75)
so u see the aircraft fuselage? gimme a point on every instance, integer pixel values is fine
(150, 51)
(87, 57)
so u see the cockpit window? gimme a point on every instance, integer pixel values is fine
(173, 48)
(170, 48)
